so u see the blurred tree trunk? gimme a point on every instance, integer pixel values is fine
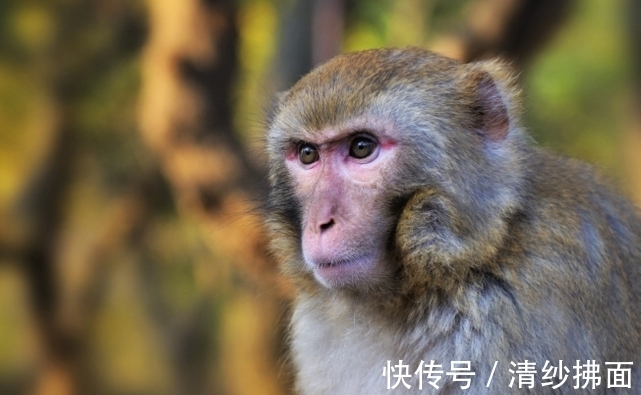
(311, 33)
(294, 57)
(512, 29)
(43, 207)
(186, 119)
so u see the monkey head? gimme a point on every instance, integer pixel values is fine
(393, 164)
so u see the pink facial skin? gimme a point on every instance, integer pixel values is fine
(341, 200)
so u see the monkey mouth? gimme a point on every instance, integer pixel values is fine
(335, 263)
(343, 271)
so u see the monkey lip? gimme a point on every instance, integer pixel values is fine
(337, 272)
(335, 263)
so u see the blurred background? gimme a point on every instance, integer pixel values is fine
(132, 259)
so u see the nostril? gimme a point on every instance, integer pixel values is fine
(326, 226)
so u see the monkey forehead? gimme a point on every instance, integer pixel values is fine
(362, 83)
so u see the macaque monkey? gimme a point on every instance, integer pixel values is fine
(419, 224)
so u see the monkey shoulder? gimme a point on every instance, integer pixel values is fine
(574, 256)
(569, 207)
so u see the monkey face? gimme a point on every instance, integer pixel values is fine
(339, 175)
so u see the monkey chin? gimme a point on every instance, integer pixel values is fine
(352, 272)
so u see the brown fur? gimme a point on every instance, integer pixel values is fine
(499, 251)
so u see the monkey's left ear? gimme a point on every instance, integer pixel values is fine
(493, 98)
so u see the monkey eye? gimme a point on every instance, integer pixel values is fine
(361, 147)
(307, 154)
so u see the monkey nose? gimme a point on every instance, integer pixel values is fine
(327, 225)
